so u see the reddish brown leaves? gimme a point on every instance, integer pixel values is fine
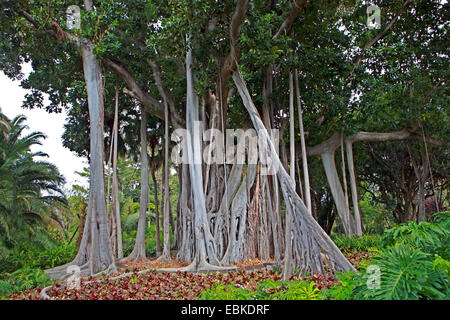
(180, 285)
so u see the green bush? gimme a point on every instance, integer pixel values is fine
(442, 218)
(26, 255)
(406, 273)
(432, 238)
(413, 264)
(267, 290)
(23, 279)
(364, 243)
(227, 292)
(376, 219)
(344, 291)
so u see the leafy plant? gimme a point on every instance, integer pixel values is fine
(429, 237)
(344, 291)
(267, 290)
(227, 292)
(23, 279)
(364, 243)
(33, 256)
(406, 273)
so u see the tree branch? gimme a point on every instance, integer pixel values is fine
(152, 105)
(165, 94)
(381, 34)
(287, 24)
(235, 28)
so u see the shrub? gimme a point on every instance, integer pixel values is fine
(23, 279)
(354, 243)
(428, 237)
(406, 273)
(412, 260)
(442, 217)
(267, 290)
(344, 291)
(227, 292)
(376, 219)
(26, 255)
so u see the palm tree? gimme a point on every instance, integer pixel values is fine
(29, 188)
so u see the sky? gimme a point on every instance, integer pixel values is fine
(51, 124)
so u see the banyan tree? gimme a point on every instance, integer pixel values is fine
(224, 76)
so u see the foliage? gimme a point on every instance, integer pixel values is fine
(267, 290)
(227, 292)
(23, 279)
(344, 291)
(406, 273)
(376, 219)
(442, 217)
(154, 285)
(25, 255)
(349, 244)
(30, 189)
(412, 262)
(429, 237)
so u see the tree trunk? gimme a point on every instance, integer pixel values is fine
(155, 194)
(115, 183)
(354, 188)
(82, 218)
(95, 252)
(166, 248)
(205, 254)
(139, 249)
(329, 165)
(308, 238)
(291, 128)
(307, 192)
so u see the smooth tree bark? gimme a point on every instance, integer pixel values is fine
(166, 213)
(354, 187)
(138, 252)
(82, 218)
(205, 250)
(153, 144)
(421, 171)
(291, 128)
(344, 179)
(95, 252)
(306, 239)
(307, 191)
(115, 182)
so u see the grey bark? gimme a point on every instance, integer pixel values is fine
(166, 248)
(205, 255)
(307, 191)
(95, 252)
(291, 128)
(307, 236)
(354, 188)
(329, 165)
(138, 252)
(115, 183)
